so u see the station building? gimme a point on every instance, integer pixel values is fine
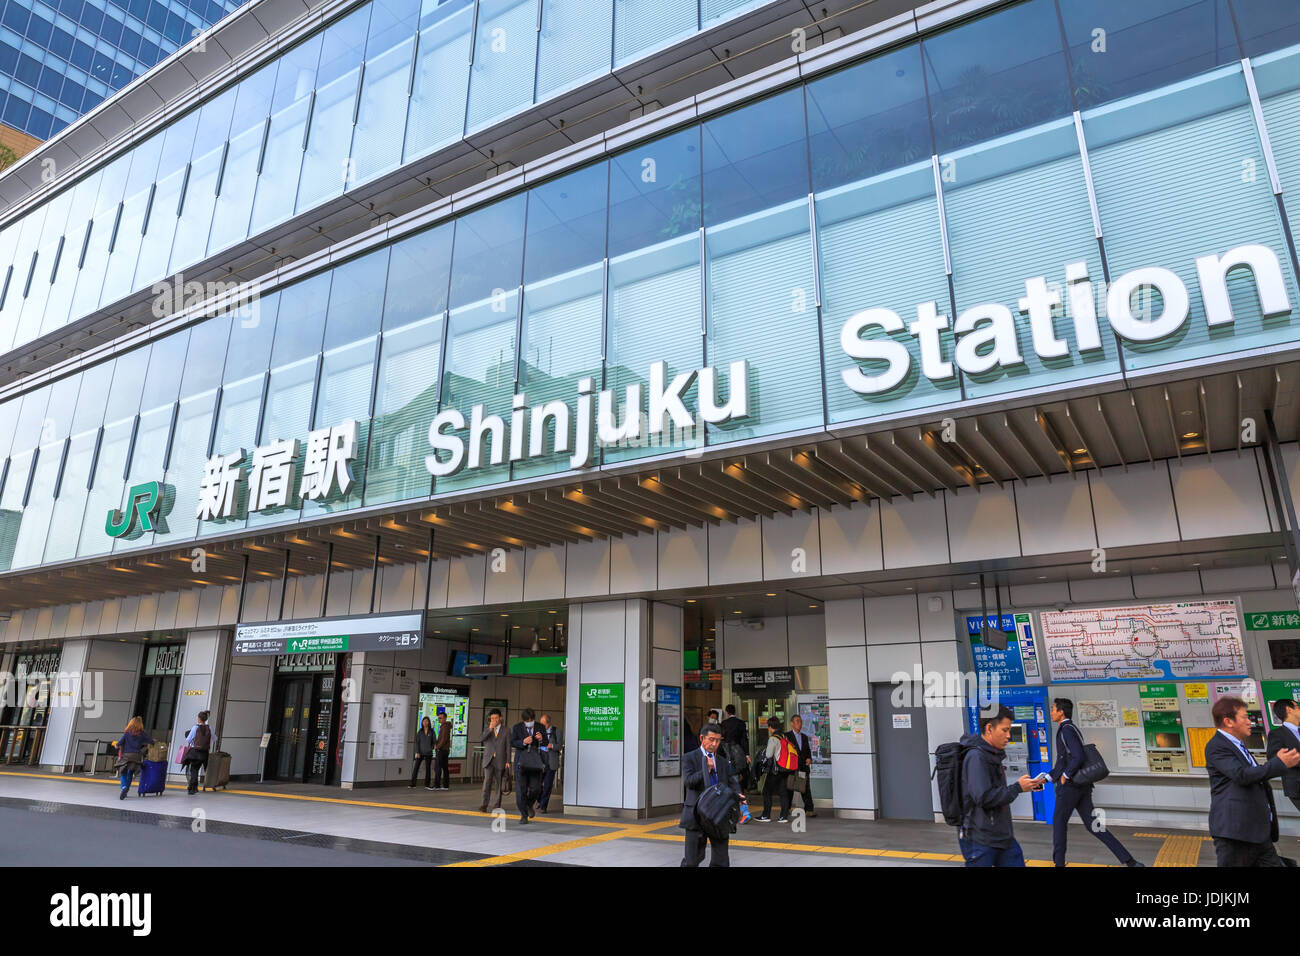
(625, 360)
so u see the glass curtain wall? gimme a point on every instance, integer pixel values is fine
(618, 259)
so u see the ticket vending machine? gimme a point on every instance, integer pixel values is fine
(1028, 751)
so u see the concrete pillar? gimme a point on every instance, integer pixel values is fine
(203, 685)
(628, 646)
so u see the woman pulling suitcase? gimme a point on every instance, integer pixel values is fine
(130, 753)
(198, 744)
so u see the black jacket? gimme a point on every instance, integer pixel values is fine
(1281, 738)
(804, 747)
(695, 777)
(1070, 755)
(985, 794)
(736, 731)
(1241, 800)
(423, 744)
(528, 752)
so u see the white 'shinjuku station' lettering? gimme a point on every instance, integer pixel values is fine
(575, 439)
(986, 333)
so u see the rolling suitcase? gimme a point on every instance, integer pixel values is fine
(153, 777)
(217, 773)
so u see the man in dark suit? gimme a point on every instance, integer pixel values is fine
(1286, 735)
(735, 734)
(803, 744)
(526, 740)
(1070, 757)
(1243, 819)
(702, 769)
(496, 757)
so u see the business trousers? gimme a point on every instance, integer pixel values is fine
(1240, 853)
(979, 854)
(427, 760)
(548, 783)
(491, 778)
(527, 785)
(1070, 798)
(441, 772)
(695, 840)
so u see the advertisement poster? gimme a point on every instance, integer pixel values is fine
(1131, 748)
(1197, 738)
(859, 728)
(1164, 730)
(1278, 690)
(1097, 713)
(454, 702)
(1196, 693)
(815, 709)
(1013, 665)
(668, 731)
(388, 727)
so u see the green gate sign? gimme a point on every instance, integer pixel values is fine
(600, 712)
(1272, 620)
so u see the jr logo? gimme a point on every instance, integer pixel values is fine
(143, 507)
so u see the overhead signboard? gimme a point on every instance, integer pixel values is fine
(538, 664)
(769, 681)
(402, 631)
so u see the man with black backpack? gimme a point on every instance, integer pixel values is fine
(1070, 795)
(985, 836)
(710, 801)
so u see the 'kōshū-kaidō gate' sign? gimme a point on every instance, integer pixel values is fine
(986, 334)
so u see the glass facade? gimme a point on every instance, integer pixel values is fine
(757, 235)
(62, 58)
(386, 83)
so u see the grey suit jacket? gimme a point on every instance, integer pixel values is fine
(496, 753)
(557, 747)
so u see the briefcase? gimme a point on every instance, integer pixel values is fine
(1094, 767)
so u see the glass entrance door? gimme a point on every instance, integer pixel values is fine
(291, 729)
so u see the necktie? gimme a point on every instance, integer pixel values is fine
(713, 772)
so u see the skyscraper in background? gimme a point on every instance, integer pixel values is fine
(60, 58)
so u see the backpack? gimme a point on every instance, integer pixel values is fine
(788, 758)
(947, 767)
(202, 737)
(716, 812)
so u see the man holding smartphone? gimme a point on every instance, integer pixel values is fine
(986, 837)
(526, 739)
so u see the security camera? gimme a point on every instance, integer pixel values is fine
(1060, 608)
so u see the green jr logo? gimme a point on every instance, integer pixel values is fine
(143, 505)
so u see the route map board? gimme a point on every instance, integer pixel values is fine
(1142, 642)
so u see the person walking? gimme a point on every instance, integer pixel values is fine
(442, 752)
(526, 741)
(1071, 796)
(496, 759)
(986, 837)
(775, 784)
(554, 747)
(1284, 736)
(423, 753)
(735, 744)
(1243, 818)
(703, 768)
(130, 753)
(803, 744)
(199, 743)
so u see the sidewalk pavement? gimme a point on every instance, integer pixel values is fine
(450, 821)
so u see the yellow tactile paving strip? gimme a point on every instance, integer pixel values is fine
(1178, 850)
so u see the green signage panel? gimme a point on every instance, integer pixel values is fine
(1272, 620)
(690, 660)
(1157, 690)
(600, 712)
(543, 664)
(313, 645)
(1279, 690)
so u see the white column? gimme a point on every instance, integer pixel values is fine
(632, 643)
(202, 687)
(853, 766)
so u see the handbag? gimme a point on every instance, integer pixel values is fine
(180, 756)
(797, 781)
(1094, 766)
